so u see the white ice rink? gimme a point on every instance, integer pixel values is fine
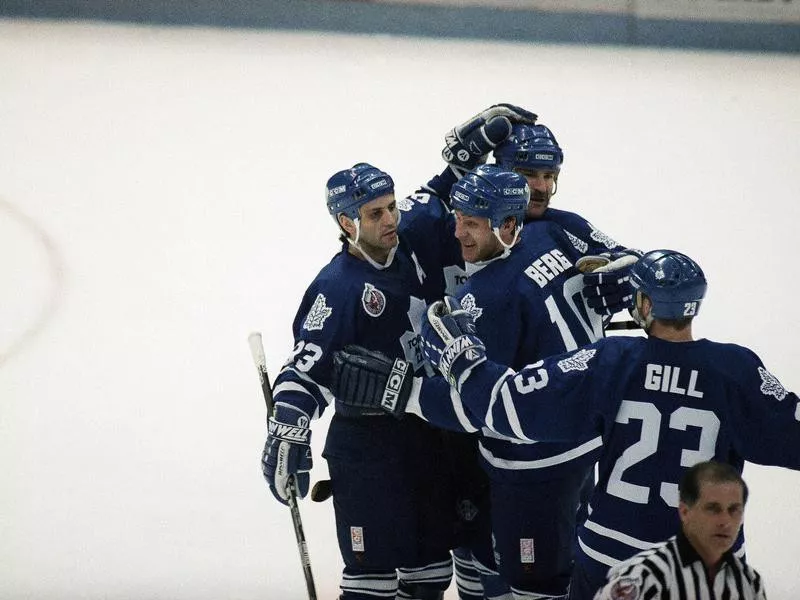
(161, 195)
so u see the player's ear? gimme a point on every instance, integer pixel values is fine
(347, 224)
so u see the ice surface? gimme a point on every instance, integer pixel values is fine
(161, 195)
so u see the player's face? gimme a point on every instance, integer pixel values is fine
(542, 184)
(379, 219)
(377, 233)
(712, 523)
(477, 240)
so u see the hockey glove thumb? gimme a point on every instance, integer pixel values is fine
(468, 145)
(286, 459)
(370, 383)
(449, 341)
(606, 281)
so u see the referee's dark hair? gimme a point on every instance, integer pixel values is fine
(711, 472)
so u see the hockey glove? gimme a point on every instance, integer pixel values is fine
(468, 144)
(370, 383)
(449, 340)
(287, 454)
(607, 286)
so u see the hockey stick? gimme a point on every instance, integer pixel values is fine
(260, 360)
(621, 325)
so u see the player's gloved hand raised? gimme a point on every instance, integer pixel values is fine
(287, 453)
(607, 286)
(449, 340)
(468, 144)
(369, 383)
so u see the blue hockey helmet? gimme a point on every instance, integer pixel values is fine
(675, 284)
(349, 190)
(531, 147)
(492, 192)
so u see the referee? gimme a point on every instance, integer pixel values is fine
(697, 563)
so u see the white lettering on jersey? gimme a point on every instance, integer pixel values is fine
(664, 378)
(315, 319)
(454, 278)
(547, 267)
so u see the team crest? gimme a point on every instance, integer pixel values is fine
(770, 386)
(579, 244)
(468, 304)
(315, 319)
(373, 300)
(405, 204)
(625, 588)
(602, 238)
(578, 361)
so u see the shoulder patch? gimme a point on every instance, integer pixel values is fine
(579, 244)
(373, 300)
(468, 304)
(602, 238)
(770, 386)
(625, 588)
(405, 204)
(315, 319)
(578, 361)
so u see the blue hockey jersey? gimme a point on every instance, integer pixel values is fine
(659, 407)
(587, 239)
(526, 306)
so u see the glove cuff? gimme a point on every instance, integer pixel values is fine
(460, 355)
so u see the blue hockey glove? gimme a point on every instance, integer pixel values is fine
(449, 340)
(370, 383)
(606, 281)
(468, 144)
(287, 452)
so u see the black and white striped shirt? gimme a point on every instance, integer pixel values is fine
(673, 570)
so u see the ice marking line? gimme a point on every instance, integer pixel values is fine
(57, 281)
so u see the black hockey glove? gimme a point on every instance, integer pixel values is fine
(449, 340)
(607, 286)
(468, 144)
(370, 383)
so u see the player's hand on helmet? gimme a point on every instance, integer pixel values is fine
(370, 383)
(286, 459)
(607, 286)
(467, 145)
(449, 340)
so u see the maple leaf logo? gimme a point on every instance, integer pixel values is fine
(468, 304)
(770, 386)
(578, 361)
(315, 319)
(602, 238)
(405, 204)
(579, 244)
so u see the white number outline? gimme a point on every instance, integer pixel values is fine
(681, 418)
(594, 328)
(305, 363)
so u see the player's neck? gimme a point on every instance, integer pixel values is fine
(670, 334)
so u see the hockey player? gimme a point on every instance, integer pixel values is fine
(371, 293)
(527, 303)
(533, 151)
(392, 511)
(660, 403)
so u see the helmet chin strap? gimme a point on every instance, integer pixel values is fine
(476, 266)
(367, 257)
